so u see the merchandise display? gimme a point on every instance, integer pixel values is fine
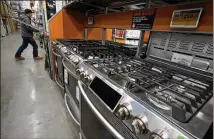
(118, 69)
(158, 96)
(8, 25)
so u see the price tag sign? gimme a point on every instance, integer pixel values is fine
(182, 59)
(77, 93)
(65, 76)
(120, 34)
(188, 18)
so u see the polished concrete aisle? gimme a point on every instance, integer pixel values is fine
(31, 103)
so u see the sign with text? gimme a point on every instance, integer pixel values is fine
(90, 20)
(143, 19)
(186, 18)
(119, 34)
(182, 59)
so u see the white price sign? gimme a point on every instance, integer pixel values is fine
(77, 93)
(182, 59)
(65, 76)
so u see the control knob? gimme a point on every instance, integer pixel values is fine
(78, 71)
(71, 56)
(54, 43)
(83, 74)
(88, 78)
(124, 111)
(75, 60)
(64, 49)
(140, 125)
(159, 134)
(59, 46)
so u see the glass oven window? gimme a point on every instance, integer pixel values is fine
(91, 126)
(105, 92)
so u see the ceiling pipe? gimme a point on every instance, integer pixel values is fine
(136, 2)
(103, 8)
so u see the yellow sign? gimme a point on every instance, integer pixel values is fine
(186, 18)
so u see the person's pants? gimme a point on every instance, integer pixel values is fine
(25, 42)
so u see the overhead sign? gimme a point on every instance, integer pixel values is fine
(188, 18)
(143, 19)
(90, 20)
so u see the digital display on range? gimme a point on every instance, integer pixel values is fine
(105, 92)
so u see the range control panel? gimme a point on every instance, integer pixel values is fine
(144, 123)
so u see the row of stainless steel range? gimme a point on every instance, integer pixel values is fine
(111, 94)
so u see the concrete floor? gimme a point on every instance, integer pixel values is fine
(31, 103)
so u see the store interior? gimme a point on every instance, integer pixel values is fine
(123, 69)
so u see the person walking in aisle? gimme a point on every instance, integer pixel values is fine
(27, 36)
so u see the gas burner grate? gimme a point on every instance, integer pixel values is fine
(92, 49)
(167, 90)
(112, 66)
(77, 42)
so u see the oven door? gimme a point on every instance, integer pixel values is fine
(73, 110)
(70, 81)
(59, 69)
(71, 91)
(98, 122)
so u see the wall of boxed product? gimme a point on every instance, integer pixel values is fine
(7, 24)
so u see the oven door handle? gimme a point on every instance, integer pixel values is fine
(72, 116)
(63, 62)
(56, 53)
(58, 83)
(98, 114)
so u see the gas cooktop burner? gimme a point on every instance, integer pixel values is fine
(93, 49)
(182, 95)
(77, 42)
(121, 64)
(176, 95)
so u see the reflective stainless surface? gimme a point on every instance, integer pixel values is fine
(98, 114)
(142, 117)
(162, 45)
(155, 121)
(71, 114)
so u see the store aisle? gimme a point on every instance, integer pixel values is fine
(31, 103)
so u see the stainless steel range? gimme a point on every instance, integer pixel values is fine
(74, 53)
(168, 95)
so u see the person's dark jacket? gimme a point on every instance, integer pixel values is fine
(27, 31)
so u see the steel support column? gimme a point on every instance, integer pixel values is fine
(104, 36)
(86, 30)
(86, 34)
(141, 41)
(140, 44)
